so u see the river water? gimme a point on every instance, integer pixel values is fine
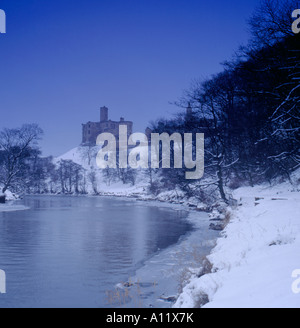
(73, 251)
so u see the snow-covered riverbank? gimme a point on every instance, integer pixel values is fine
(159, 281)
(10, 205)
(253, 261)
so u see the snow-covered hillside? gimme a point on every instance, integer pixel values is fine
(86, 157)
(254, 260)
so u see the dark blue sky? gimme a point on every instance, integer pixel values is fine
(61, 60)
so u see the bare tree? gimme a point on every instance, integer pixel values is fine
(70, 176)
(277, 48)
(272, 22)
(39, 173)
(88, 152)
(93, 180)
(16, 146)
(215, 105)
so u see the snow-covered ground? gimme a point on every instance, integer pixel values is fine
(10, 205)
(86, 157)
(255, 259)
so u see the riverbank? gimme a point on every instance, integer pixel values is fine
(256, 255)
(9, 205)
(158, 282)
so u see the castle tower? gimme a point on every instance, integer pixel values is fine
(91, 130)
(103, 114)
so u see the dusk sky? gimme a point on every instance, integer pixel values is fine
(60, 61)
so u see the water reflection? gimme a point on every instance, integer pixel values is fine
(67, 251)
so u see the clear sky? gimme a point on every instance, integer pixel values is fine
(61, 60)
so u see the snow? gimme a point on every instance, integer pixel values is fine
(12, 208)
(253, 260)
(9, 195)
(86, 157)
(10, 205)
(255, 257)
(78, 155)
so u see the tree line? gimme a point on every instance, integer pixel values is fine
(24, 170)
(249, 112)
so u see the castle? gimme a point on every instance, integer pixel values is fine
(91, 130)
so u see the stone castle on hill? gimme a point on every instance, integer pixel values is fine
(91, 130)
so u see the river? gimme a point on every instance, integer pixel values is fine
(72, 251)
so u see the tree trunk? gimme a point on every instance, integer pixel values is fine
(221, 184)
(4, 189)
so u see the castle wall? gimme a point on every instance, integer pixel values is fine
(91, 130)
